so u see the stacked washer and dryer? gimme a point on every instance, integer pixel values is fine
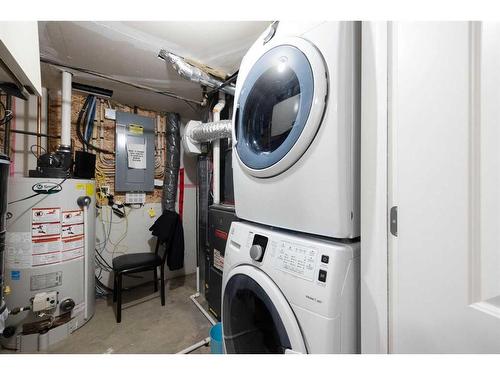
(291, 269)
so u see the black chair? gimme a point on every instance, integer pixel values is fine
(138, 262)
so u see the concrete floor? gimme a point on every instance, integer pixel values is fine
(146, 327)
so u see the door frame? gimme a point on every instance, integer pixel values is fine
(375, 95)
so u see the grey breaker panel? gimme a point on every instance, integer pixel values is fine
(135, 140)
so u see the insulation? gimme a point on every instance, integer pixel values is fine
(211, 131)
(193, 73)
(172, 162)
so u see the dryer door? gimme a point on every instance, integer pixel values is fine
(256, 318)
(280, 107)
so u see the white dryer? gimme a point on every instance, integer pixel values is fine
(296, 129)
(289, 293)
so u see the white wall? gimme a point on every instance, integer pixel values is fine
(138, 237)
(25, 113)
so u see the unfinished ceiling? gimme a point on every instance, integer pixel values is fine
(128, 51)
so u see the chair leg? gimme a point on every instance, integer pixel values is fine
(162, 283)
(155, 274)
(119, 302)
(115, 287)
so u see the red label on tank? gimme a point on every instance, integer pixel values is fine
(220, 234)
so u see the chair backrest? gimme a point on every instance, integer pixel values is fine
(166, 248)
(162, 227)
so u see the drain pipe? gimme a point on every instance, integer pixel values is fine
(193, 347)
(216, 148)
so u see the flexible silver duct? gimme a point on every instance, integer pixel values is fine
(172, 162)
(193, 73)
(210, 131)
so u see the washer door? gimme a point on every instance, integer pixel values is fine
(256, 318)
(280, 107)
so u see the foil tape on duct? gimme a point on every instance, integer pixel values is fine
(172, 162)
(210, 131)
(193, 73)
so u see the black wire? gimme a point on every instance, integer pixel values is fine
(36, 194)
(224, 84)
(7, 116)
(39, 147)
(80, 134)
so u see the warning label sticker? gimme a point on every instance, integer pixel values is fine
(46, 215)
(45, 259)
(72, 217)
(72, 254)
(72, 230)
(45, 229)
(46, 245)
(18, 250)
(218, 260)
(72, 243)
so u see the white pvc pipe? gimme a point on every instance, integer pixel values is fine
(66, 109)
(193, 347)
(216, 148)
(203, 311)
(86, 262)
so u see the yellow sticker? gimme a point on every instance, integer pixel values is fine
(89, 189)
(151, 212)
(135, 129)
(80, 186)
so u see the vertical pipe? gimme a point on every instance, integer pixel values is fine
(216, 148)
(66, 110)
(6, 137)
(172, 162)
(38, 125)
(101, 123)
(86, 263)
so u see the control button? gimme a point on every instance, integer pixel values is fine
(325, 259)
(322, 276)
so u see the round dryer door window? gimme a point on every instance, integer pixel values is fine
(280, 107)
(256, 318)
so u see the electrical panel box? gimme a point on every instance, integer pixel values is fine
(135, 141)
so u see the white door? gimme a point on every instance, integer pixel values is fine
(444, 176)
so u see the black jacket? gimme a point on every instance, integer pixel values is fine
(168, 229)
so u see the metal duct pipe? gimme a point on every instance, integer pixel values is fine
(210, 131)
(172, 162)
(193, 73)
(66, 110)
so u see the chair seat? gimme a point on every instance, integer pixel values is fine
(135, 260)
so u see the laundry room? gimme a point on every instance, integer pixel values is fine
(191, 185)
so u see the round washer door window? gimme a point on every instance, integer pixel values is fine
(280, 107)
(256, 319)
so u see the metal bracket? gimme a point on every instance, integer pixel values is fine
(394, 221)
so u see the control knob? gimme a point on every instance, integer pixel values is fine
(256, 252)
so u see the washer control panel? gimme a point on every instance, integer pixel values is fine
(297, 259)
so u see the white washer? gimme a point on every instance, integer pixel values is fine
(296, 132)
(286, 293)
